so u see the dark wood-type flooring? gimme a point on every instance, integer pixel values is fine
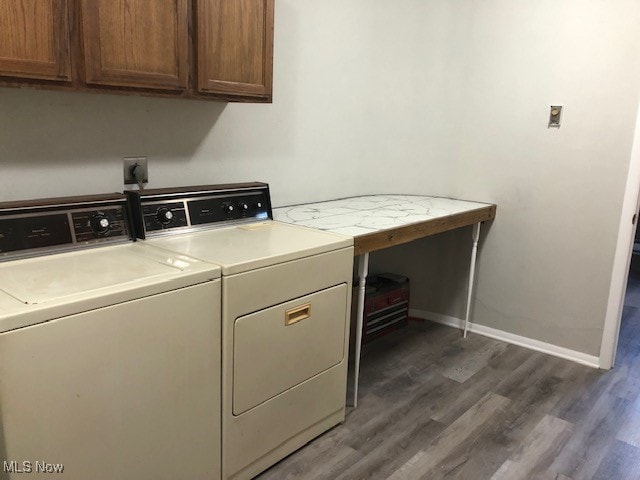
(435, 406)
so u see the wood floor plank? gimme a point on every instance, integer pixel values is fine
(419, 402)
(465, 460)
(508, 360)
(466, 395)
(508, 429)
(400, 445)
(519, 379)
(629, 432)
(386, 458)
(582, 454)
(536, 453)
(582, 394)
(409, 351)
(622, 462)
(307, 468)
(548, 475)
(472, 361)
(426, 459)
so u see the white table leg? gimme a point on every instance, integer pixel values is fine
(472, 274)
(363, 270)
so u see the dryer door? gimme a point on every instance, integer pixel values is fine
(280, 347)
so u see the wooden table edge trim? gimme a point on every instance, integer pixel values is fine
(371, 242)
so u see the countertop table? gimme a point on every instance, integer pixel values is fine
(380, 221)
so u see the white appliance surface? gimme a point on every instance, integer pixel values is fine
(250, 246)
(38, 289)
(286, 292)
(97, 350)
(299, 389)
(110, 350)
(129, 391)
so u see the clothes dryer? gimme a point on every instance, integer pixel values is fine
(286, 294)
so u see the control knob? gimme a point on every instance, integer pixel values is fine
(100, 224)
(244, 207)
(228, 208)
(164, 215)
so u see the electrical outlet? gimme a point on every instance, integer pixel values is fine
(135, 170)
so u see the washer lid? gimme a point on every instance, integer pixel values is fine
(50, 278)
(254, 245)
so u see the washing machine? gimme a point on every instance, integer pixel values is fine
(285, 298)
(109, 350)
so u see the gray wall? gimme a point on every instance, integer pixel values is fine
(438, 97)
(547, 262)
(545, 265)
(351, 102)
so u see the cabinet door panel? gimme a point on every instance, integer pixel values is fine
(34, 39)
(235, 47)
(136, 43)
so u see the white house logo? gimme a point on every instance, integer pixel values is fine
(32, 467)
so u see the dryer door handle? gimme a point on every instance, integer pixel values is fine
(297, 314)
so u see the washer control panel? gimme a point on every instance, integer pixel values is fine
(94, 225)
(163, 211)
(40, 227)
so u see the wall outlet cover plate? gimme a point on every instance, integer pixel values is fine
(138, 165)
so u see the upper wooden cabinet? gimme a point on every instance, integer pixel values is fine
(201, 49)
(235, 46)
(34, 39)
(136, 43)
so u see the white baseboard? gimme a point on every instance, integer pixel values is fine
(530, 343)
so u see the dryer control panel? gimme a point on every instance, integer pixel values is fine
(39, 227)
(165, 211)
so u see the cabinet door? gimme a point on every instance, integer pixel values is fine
(136, 43)
(34, 39)
(235, 47)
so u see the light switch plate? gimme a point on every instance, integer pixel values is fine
(555, 115)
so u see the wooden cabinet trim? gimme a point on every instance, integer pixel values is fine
(208, 85)
(58, 70)
(371, 242)
(97, 75)
(63, 39)
(235, 87)
(77, 68)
